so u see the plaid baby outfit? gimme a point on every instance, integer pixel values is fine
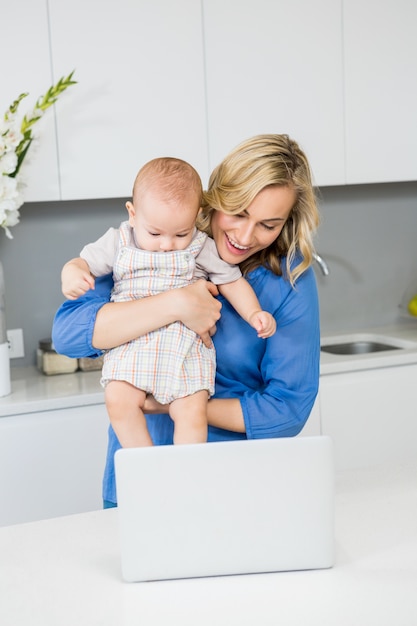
(171, 362)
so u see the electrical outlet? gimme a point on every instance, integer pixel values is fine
(16, 346)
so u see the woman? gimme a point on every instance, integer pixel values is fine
(260, 209)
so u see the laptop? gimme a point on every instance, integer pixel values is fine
(225, 508)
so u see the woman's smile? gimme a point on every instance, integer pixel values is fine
(235, 245)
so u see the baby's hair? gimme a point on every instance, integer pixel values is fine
(174, 177)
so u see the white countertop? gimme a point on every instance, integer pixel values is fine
(66, 571)
(33, 391)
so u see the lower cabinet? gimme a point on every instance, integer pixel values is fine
(51, 463)
(371, 415)
(312, 426)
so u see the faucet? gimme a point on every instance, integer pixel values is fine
(322, 263)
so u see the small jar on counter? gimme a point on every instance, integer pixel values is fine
(87, 364)
(50, 362)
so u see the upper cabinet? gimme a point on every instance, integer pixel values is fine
(25, 53)
(340, 77)
(380, 90)
(140, 93)
(193, 78)
(276, 67)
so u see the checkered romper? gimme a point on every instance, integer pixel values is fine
(171, 362)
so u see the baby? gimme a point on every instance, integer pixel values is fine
(160, 248)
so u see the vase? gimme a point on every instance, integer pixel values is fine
(5, 386)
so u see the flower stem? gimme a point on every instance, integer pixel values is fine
(43, 103)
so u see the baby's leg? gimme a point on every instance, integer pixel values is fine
(190, 418)
(124, 404)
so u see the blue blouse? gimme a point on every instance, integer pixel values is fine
(275, 379)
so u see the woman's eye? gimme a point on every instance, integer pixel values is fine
(268, 227)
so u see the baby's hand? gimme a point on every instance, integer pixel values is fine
(75, 281)
(264, 323)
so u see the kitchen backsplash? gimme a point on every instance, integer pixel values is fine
(367, 237)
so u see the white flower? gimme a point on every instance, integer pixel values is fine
(8, 217)
(11, 138)
(8, 187)
(8, 163)
(15, 140)
(11, 199)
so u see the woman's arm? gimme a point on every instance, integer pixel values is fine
(221, 413)
(275, 381)
(91, 324)
(226, 413)
(194, 306)
(289, 367)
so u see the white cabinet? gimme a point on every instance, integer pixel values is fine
(371, 415)
(140, 93)
(380, 90)
(313, 425)
(51, 463)
(26, 68)
(193, 79)
(276, 67)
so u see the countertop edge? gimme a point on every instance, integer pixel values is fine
(33, 392)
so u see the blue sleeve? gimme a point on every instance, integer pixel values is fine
(290, 367)
(276, 380)
(73, 325)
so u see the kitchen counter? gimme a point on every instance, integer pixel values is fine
(66, 571)
(31, 388)
(33, 391)
(404, 333)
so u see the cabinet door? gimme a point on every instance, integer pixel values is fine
(51, 463)
(313, 425)
(26, 68)
(140, 93)
(370, 415)
(276, 67)
(381, 90)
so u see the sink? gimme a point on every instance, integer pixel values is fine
(358, 347)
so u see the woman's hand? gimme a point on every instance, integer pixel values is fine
(198, 309)
(153, 406)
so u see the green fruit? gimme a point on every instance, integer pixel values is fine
(412, 306)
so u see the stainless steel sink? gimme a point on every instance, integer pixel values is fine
(358, 347)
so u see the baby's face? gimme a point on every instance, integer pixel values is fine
(163, 225)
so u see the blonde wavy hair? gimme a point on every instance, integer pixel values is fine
(254, 164)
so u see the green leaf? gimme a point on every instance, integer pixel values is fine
(14, 106)
(44, 102)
